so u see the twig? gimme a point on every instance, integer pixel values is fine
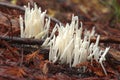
(19, 40)
(22, 56)
(115, 40)
(3, 4)
(30, 41)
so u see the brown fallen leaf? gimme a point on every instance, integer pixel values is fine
(97, 69)
(118, 67)
(16, 71)
(41, 57)
(32, 56)
(94, 67)
(14, 51)
(83, 64)
(44, 66)
(41, 77)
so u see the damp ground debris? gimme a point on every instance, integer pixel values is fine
(25, 59)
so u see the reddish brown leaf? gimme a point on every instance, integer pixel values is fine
(118, 68)
(41, 77)
(32, 56)
(98, 71)
(16, 71)
(43, 66)
(41, 56)
(83, 64)
(14, 51)
(95, 69)
(8, 55)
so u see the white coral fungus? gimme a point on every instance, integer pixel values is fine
(36, 25)
(69, 47)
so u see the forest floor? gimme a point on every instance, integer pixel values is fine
(20, 61)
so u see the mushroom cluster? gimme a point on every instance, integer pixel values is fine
(36, 25)
(71, 46)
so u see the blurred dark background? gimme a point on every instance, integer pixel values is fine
(98, 11)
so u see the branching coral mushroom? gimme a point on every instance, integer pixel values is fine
(69, 47)
(36, 26)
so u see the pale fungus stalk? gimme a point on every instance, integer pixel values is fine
(36, 25)
(69, 47)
